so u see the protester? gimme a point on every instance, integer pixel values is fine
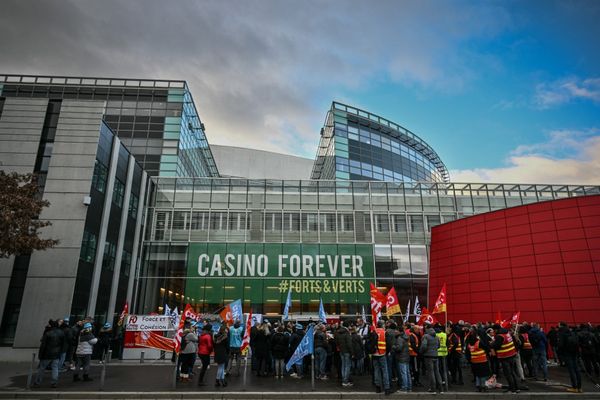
(205, 348)
(568, 351)
(588, 344)
(402, 359)
(505, 350)
(429, 350)
(295, 339)
(476, 354)
(189, 348)
(235, 343)
(344, 343)
(358, 352)
(280, 343)
(442, 352)
(85, 347)
(526, 351)
(378, 353)
(455, 355)
(105, 337)
(261, 347)
(414, 343)
(66, 355)
(221, 348)
(51, 347)
(539, 344)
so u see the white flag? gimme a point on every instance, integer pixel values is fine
(417, 308)
(407, 312)
(167, 310)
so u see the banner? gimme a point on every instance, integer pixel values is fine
(149, 323)
(331, 271)
(232, 312)
(149, 339)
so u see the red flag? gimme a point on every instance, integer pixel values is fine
(515, 318)
(377, 301)
(440, 304)
(188, 313)
(123, 314)
(392, 305)
(498, 317)
(246, 339)
(426, 317)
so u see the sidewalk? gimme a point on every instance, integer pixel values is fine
(154, 380)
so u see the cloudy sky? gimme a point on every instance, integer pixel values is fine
(505, 91)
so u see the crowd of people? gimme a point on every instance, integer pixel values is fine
(400, 356)
(65, 347)
(396, 356)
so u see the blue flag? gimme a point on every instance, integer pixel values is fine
(322, 315)
(288, 305)
(304, 348)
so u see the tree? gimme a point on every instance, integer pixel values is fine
(20, 207)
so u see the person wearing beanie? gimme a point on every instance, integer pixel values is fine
(104, 340)
(429, 350)
(85, 348)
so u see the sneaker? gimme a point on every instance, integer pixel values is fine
(573, 390)
(293, 375)
(325, 378)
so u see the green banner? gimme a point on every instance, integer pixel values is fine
(257, 272)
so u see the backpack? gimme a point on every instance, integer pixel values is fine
(586, 341)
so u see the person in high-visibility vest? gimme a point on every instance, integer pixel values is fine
(506, 352)
(475, 352)
(378, 353)
(442, 352)
(526, 350)
(414, 342)
(455, 354)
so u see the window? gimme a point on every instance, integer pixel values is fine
(432, 220)
(181, 220)
(110, 253)
(345, 222)
(327, 222)
(126, 263)
(99, 177)
(237, 221)
(309, 222)
(88, 247)
(200, 220)
(218, 221)
(273, 221)
(118, 193)
(398, 223)
(382, 223)
(291, 222)
(133, 206)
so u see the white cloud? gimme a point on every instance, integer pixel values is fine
(553, 94)
(545, 162)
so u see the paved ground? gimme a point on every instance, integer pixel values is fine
(151, 380)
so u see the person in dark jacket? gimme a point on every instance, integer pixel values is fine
(429, 350)
(587, 343)
(476, 352)
(539, 344)
(280, 343)
(526, 351)
(455, 354)
(344, 342)
(67, 350)
(261, 346)
(358, 352)
(402, 358)
(321, 348)
(221, 348)
(51, 348)
(205, 347)
(568, 350)
(105, 337)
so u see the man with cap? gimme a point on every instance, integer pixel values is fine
(85, 347)
(51, 348)
(67, 351)
(104, 339)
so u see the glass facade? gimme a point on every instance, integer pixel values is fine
(209, 241)
(358, 145)
(155, 119)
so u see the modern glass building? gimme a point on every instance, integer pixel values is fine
(210, 241)
(358, 145)
(155, 119)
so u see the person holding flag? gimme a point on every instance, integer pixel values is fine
(304, 348)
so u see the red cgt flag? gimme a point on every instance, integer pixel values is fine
(515, 318)
(498, 317)
(426, 317)
(440, 304)
(188, 313)
(377, 301)
(246, 339)
(123, 314)
(392, 305)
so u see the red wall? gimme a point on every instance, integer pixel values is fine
(542, 259)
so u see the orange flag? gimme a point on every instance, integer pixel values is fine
(440, 304)
(392, 305)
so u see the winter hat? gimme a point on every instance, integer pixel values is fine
(107, 325)
(87, 325)
(299, 326)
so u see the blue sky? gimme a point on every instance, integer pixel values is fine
(505, 91)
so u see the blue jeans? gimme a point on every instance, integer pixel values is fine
(42, 367)
(221, 371)
(404, 376)
(321, 360)
(346, 366)
(573, 368)
(539, 358)
(480, 381)
(380, 368)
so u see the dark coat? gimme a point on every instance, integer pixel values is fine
(52, 344)
(280, 343)
(343, 340)
(221, 348)
(295, 340)
(261, 344)
(400, 348)
(321, 340)
(358, 349)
